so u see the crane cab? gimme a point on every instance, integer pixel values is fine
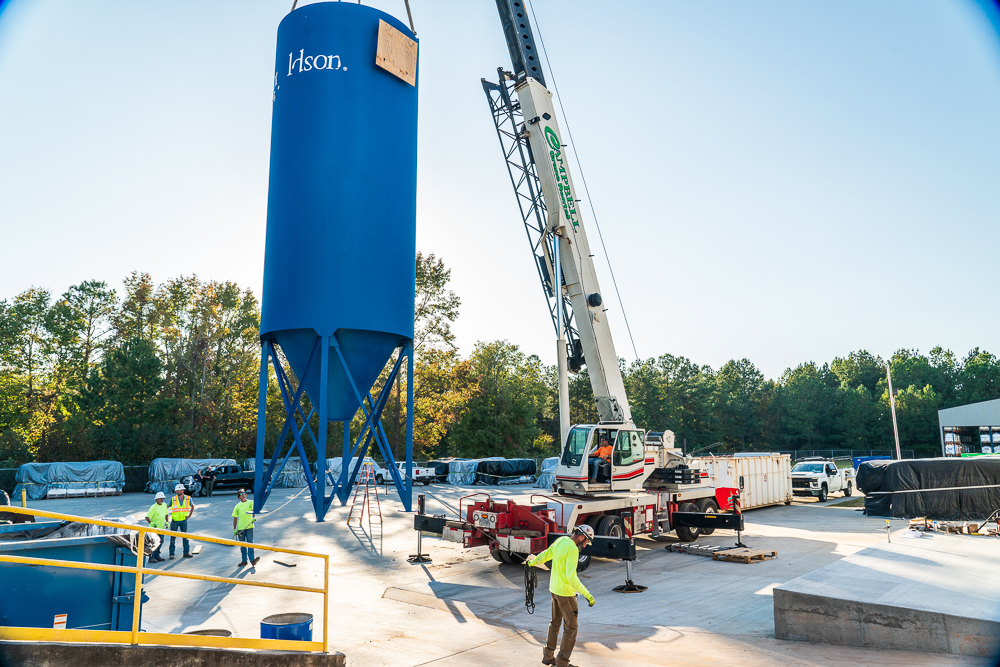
(602, 458)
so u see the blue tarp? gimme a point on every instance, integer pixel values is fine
(78, 478)
(292, 476)
(547, 475)
(164, 474)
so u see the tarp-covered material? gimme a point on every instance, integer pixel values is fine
(492, 472)
(463, 472)
(164, 474)
(547, 475)
(441, 467)
(334, 465)
(946, 489)
(88, 478)
(292, 476)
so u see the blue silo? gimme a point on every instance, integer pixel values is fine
(339, 261)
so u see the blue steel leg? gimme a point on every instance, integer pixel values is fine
(258, 471)
(344, 461)
(319, 500)
(409, 428)
(373, 417)
(290, 414)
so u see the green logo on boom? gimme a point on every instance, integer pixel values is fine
(562, 177)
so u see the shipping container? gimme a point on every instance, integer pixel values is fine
(766, 478)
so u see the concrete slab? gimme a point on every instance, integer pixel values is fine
(117, 655)
(935, 593)
(466, 609)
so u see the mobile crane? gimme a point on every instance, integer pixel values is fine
(648, 486)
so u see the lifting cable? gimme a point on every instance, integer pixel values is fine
(530, 584)
(583, 179)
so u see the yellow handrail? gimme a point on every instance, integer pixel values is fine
(135, 637)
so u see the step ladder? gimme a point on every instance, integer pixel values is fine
(362, 503)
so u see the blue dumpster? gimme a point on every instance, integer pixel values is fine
(297, 627)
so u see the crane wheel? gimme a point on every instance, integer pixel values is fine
(611, 526)
(685, 533)
(708, 506)
(583, 563)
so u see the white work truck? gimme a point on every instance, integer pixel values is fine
(820, 477)
(422, 475)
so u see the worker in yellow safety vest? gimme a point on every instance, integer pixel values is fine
(156, 517)
(564, 584)
(181, 509)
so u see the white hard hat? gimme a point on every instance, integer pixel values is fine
(586, 531)
(179, 487)
(159, 495)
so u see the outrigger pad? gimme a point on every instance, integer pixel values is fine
(429, 524)
(622, 548)
(701, 520)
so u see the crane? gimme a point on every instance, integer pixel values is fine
(648, 486)
(530, 136)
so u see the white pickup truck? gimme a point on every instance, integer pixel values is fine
(820, 477)
(423, 475)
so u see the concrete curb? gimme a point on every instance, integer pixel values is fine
(125, 655)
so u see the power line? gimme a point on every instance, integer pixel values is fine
(583, 178)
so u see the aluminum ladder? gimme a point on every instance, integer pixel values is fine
(366, 481)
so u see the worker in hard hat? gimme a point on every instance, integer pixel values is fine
(181, 509)
(564, 584)
(599, 456)
(156, 517)
(243, 527)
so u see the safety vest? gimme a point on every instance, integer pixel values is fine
(180, 512)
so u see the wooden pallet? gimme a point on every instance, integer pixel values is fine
(746, 556)
(695, 549)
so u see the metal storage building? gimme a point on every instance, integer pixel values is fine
(972, 428)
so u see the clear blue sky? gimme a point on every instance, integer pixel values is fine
(783, 181)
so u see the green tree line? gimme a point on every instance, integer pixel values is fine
(171, 370)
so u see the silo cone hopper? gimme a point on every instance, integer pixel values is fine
(339, 261)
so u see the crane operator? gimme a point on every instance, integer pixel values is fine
(601, 454)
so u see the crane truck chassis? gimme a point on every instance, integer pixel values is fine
(653, 495)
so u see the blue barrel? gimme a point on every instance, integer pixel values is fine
(297, 627)
(341, 212)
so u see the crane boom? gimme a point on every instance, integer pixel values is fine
(549, 184)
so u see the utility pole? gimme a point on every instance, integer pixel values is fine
(561, 350)
(892, 403)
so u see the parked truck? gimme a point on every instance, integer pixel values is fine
(230, 477)
(421, 474)
(819, 477)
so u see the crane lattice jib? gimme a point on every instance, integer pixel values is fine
(509, 121)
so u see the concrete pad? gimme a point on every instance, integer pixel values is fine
(467, 609)
(935, 593)
(118, 655)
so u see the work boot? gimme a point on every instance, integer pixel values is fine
(188, 556)
(254, 561)
(171, 556)
(242, 564)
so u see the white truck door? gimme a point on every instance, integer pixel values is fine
(836, 480)
(627, 460)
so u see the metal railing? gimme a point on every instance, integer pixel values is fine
(10, 633)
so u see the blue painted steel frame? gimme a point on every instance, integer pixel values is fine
(264, 480)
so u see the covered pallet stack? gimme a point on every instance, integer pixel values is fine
(70, 480)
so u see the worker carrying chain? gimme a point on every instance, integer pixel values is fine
(530, 584)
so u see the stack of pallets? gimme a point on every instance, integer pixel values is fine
(728, 554)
